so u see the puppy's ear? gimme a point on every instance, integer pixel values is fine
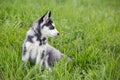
(45, 17)
(49, 13)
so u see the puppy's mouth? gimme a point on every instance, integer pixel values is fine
(54, 36)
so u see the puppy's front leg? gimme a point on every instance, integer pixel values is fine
(39, 60)
(26, 52)
(25, 58)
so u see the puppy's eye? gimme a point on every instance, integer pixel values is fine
(49, 22)
(51, 27)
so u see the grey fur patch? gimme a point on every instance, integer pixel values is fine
(24, 50)
(42, 41)
(29, 38)
(54, 55)
(43, 54)
(50, 60)
(39, 38)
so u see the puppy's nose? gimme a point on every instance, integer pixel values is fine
(57, 33)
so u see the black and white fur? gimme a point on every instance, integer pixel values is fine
(36, 47)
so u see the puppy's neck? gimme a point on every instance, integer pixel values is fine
(40, 37)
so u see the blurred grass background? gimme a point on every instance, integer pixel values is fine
(89, 34)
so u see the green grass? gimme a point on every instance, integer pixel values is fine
(89, 34)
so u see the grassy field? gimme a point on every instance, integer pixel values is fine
(89, 34)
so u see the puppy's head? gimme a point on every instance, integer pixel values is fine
(47, 26)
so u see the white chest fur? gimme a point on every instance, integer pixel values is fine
(35, 50)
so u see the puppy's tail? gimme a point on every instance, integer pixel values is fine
(68, 58)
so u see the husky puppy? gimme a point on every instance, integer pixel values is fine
(36, 48)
